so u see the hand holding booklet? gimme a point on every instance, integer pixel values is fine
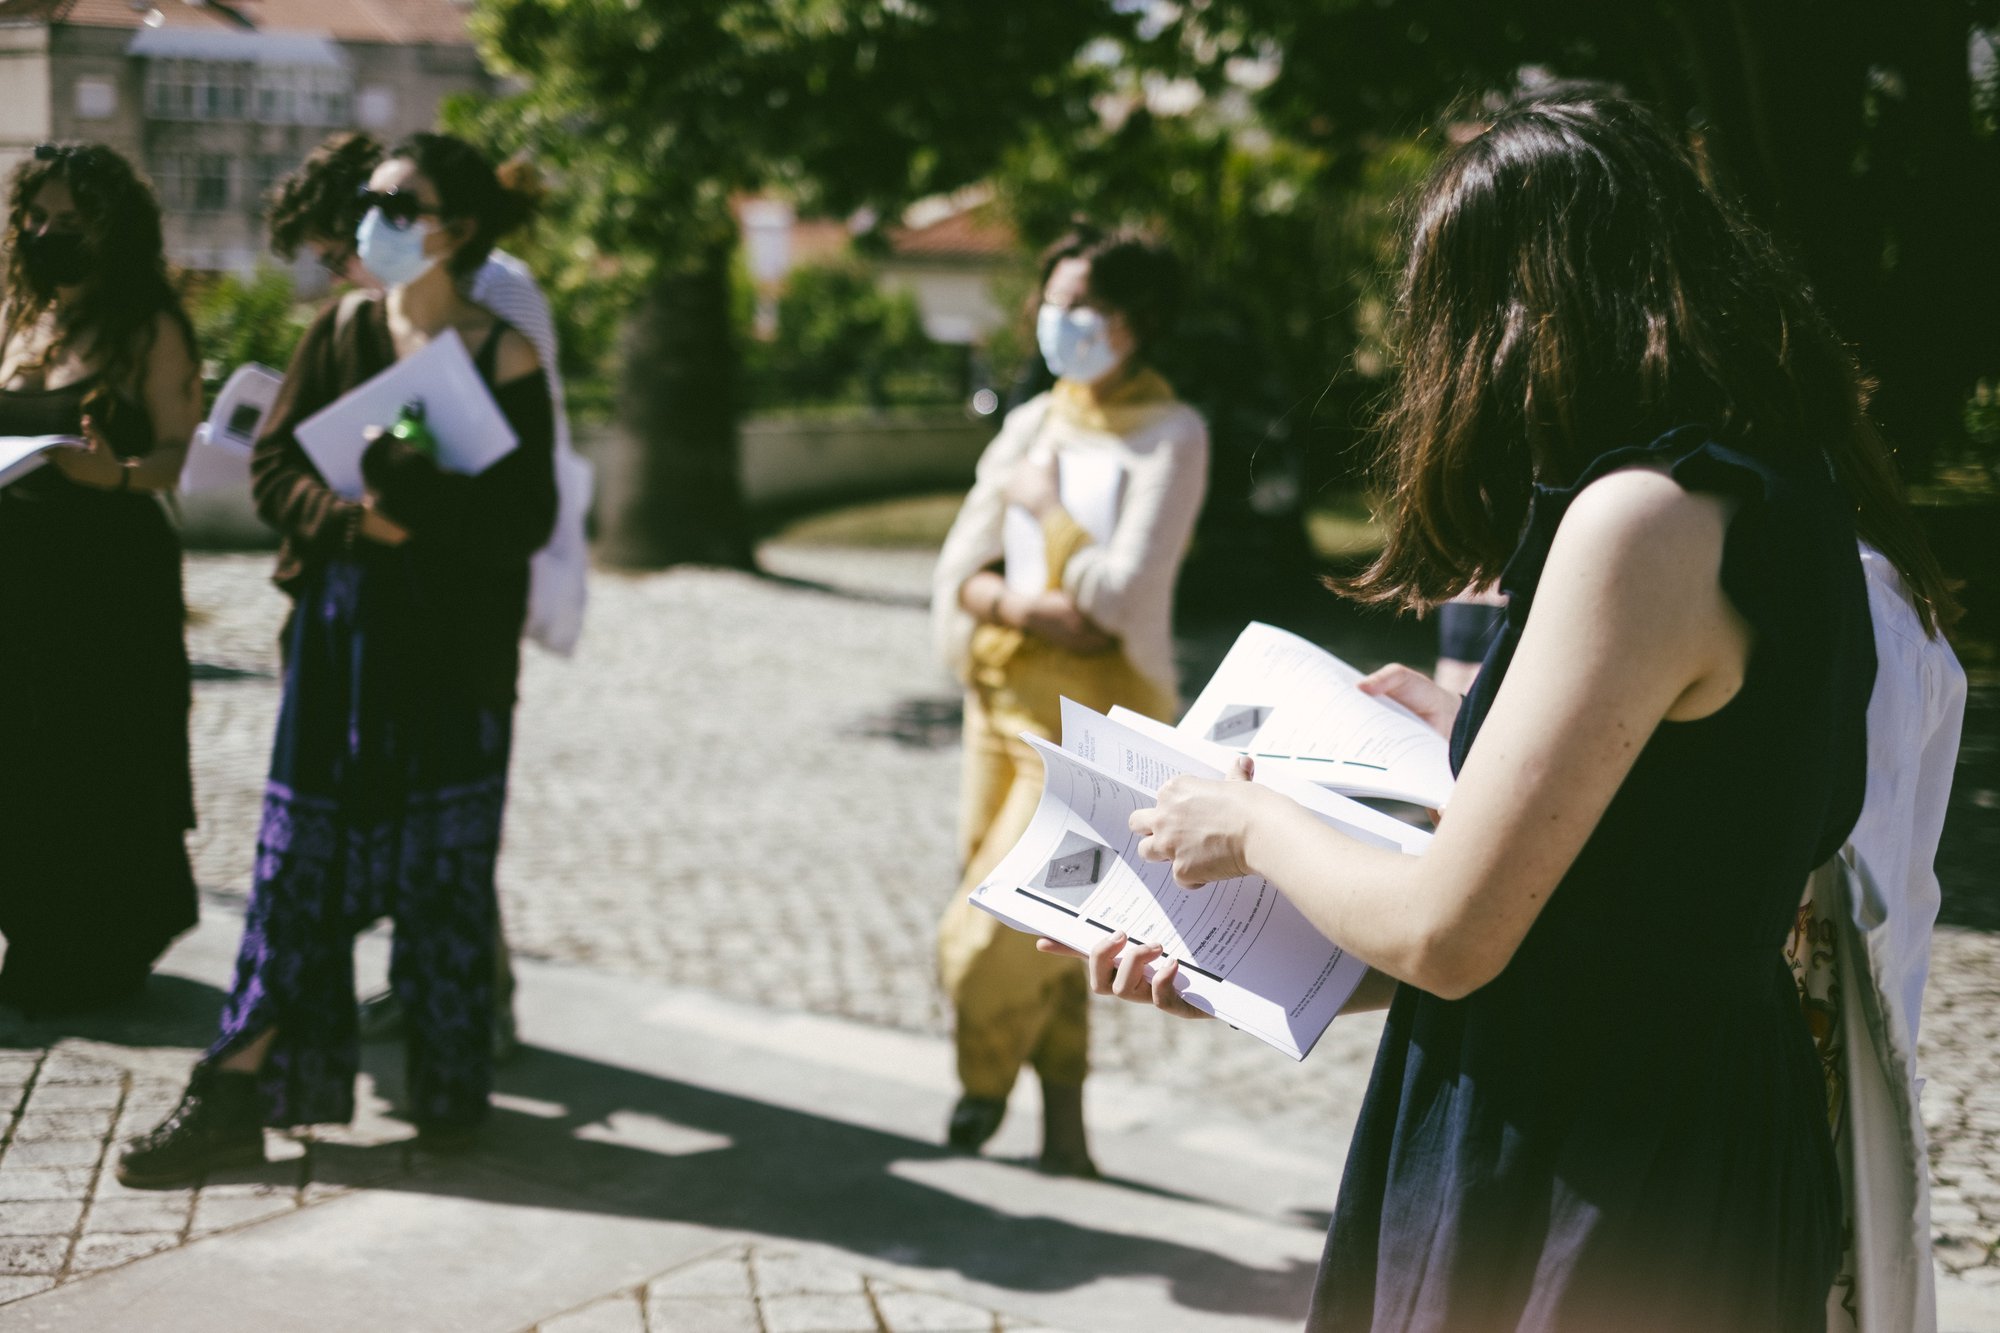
(22, 454)
(471, 430)
(1246, 954)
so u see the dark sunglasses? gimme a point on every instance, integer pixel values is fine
(399, 208)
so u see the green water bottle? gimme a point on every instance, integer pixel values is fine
(411, 430)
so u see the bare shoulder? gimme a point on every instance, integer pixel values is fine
(169, 340)
(1638, 517)
(515, 357)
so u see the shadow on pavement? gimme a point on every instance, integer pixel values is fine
(633, 1144)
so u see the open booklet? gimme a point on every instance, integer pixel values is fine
(1294, 708)
(472, 432)
(22, 454)
(1246, 954)
(1091, 486)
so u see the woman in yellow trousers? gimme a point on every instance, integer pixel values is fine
(1099, 631)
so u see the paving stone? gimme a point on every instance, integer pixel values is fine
(618, 1314)
(51, 1182)
(62, 1125)
(818, 1314)
(783, 1274)
(212, 1214)
(13, 1288)
(108, 1251)
(140, 1213)
(96, 1096)
(45, 1217)
(32, 1255)
(723, 1276)
(717, 1315)
(54, 1152)
(920, 1312)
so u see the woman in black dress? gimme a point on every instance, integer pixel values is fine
(1596, 1105)
(95, 796)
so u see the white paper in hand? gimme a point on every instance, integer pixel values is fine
(1090, 485)
(472, 433)
(22, 454)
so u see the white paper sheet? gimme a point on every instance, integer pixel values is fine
(1293, 706)
(22, 454)
(472, 433)
(218, 456)
(1091, 486)
(1247, 955)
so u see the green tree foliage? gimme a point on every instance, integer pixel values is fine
(841, 338)
(1857, 130)
(256, 320)
(1286, 247)
(654, 114)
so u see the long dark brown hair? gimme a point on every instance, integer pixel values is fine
(128, 287)
(1574, 285)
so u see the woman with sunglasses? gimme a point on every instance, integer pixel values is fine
(95, 795)
(1596, 1104)
(389, 770)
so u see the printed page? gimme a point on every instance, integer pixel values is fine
(1294, 707)
(1247, 955)
(472, 433)
(1091, 487)
(1351, 817)
(22, 454)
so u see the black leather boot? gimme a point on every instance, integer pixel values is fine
(218, 1123)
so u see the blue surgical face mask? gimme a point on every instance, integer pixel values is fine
(1076, 342)
(395, 255)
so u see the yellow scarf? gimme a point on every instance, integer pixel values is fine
(1129, 405)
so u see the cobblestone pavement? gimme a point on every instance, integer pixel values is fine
(63, 1214)
(762, 1289)
(747, 785)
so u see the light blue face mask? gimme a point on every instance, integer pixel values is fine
(1076, 342)
(395, 255)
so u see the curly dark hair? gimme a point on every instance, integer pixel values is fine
(468, 187)
(1573, 285)
(323, 197)
(128, 287)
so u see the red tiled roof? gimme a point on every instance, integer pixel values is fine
(400, 22)
(972, 233)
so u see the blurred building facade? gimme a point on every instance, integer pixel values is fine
(214, 101)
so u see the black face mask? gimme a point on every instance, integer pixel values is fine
(55, 258)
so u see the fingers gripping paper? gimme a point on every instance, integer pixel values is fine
(1246, 954)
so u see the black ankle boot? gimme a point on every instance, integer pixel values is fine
(218, 1123)
(973, 1121)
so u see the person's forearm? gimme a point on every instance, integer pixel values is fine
(159, 470)
(1370, 901)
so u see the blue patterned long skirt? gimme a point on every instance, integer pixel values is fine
(385, 798)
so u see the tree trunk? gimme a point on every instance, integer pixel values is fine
(672, 494)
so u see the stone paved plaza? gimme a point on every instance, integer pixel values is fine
(746, 786)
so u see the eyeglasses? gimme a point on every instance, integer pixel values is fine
(399, 208)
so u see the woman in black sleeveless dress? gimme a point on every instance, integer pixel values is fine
(1596, 1105)
(95, 795)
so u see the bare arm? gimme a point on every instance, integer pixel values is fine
(1630, 627)
(170, 388)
